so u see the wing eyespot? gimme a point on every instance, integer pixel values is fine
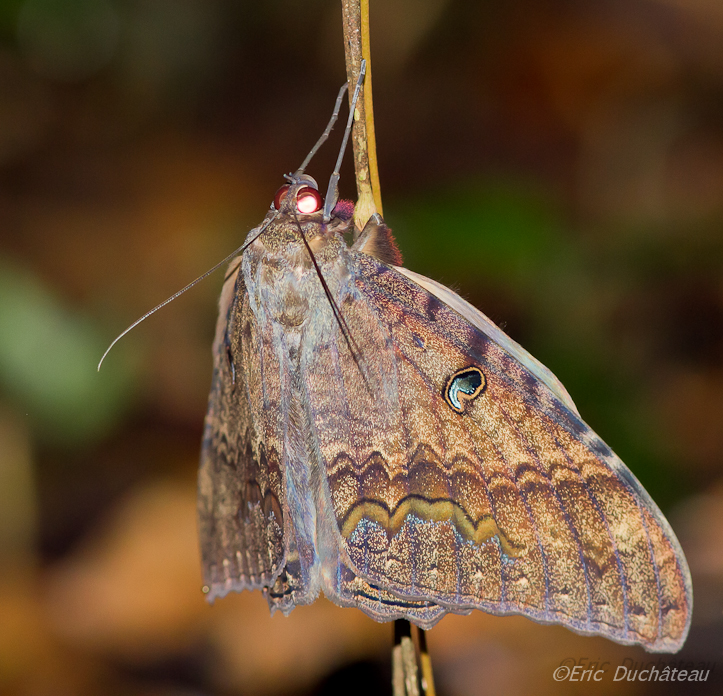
(463, 386)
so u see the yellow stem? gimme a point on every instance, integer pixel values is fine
(369, 108)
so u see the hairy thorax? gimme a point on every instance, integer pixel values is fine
(283, 280)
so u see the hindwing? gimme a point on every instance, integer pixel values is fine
(462, 478)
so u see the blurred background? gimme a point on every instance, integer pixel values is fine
(560, 163)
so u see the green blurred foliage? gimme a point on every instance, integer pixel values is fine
(67, 40)
(480, 231)
(8, 19)
(48, 358)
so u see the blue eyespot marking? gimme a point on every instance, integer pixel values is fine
(463, 386)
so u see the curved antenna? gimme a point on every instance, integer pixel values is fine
(238, 251)
(262, 228)
(332, 193)
(325, 134)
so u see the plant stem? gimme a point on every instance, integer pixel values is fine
(405, 673)
(425, 663)
(355, 20)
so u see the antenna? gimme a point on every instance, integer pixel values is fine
(325, 134)
(299, 172)
(240, 250)
(332, 193)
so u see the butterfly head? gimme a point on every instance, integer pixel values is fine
(299, 196)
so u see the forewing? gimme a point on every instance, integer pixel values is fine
(240, 502)
(509, 503)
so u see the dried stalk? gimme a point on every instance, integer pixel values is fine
(355, 19)
(425, 663)
(406, 666)
(405, 673)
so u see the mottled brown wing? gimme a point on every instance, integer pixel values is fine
(240, 502)
(459, 480)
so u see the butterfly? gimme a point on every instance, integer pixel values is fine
(373, 436)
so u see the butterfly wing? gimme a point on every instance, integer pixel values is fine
(240, 502)
(461, 477)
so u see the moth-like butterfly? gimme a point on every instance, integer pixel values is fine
(372, 435)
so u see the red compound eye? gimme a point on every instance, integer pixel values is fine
(308, 200)
(280, 195)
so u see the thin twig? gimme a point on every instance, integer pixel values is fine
(405, 673)
(369, 110)
(425, 663)
(355, 18)
(398, 686)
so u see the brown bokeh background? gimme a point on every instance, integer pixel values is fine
(559, 162)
